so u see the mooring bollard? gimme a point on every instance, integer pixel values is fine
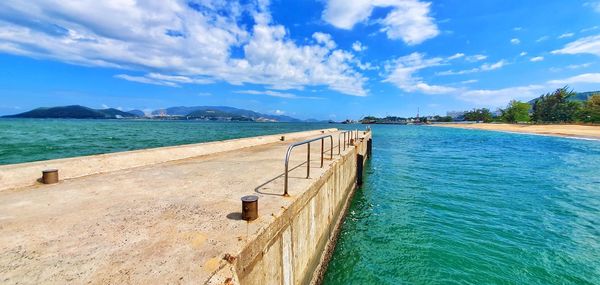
(359, 169)
(50, 176)
(250, 208)
(351, 141)
(282, 138)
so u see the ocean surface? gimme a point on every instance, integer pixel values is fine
(438, 205)
(451, 206)
(25, 140)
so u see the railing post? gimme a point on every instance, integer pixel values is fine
(331, 149)
(344, 140)
(339, 145)
(322, 150)
(308, 162)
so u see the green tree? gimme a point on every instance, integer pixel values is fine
(590, 113)
(516, 111)
(556, 107)
(482, 114)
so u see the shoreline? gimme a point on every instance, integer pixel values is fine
(565, 131)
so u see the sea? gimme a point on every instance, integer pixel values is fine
(438, 205)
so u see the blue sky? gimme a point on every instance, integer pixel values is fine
(328, 59)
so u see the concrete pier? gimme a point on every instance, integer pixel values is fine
(173, 215)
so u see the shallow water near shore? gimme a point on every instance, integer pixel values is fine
(453, 206)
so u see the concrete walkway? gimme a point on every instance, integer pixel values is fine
(172, 222)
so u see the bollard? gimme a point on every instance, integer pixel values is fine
(359, 169)
(351, 141)
(282, 138)
(50, 176)
(250, 208)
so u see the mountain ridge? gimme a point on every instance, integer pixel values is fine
(224, 113)
(72, 112)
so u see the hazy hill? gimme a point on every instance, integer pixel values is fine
(231, 111)
(138, 113)
(73, 112)
(181, 112)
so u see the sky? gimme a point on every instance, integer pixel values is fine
(323, 59)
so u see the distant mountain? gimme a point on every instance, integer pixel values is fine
(217, 115)
(138, 113)
(198, 112)
(583, 96)
(73, 112)
(231, 111)
(580, 96)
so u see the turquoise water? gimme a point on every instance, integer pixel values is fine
(24, 140)
(438, 206)
(449, 206)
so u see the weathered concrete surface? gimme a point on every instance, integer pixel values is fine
(175, 221)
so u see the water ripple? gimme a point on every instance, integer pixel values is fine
(449, 206)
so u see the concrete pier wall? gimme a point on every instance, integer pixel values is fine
(295, 248)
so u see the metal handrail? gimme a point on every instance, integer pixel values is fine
(307, 142)
(345, 140)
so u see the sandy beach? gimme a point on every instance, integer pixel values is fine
(579, 131)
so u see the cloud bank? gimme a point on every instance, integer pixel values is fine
(174, 42)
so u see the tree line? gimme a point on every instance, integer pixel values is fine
(554, 107)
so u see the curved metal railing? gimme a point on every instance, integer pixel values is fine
(307, 142)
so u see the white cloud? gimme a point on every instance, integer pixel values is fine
(536, 59)
(276, 94)
(146, 80)
(589, 29)
(595, 5)
(582, 78)
(523, 53)
(577, 66)
(483, 67)
(566, 35)
(408, 20)
(541, 39)
(589, 45)
(515, 41)
(358, 46)
(500, 97)
(456, 56)
(516, 29)
(501, 63)
(175, 42)
(402, 73)
(477, 57)
(279, 112)
(470, 81)
(324, 39)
